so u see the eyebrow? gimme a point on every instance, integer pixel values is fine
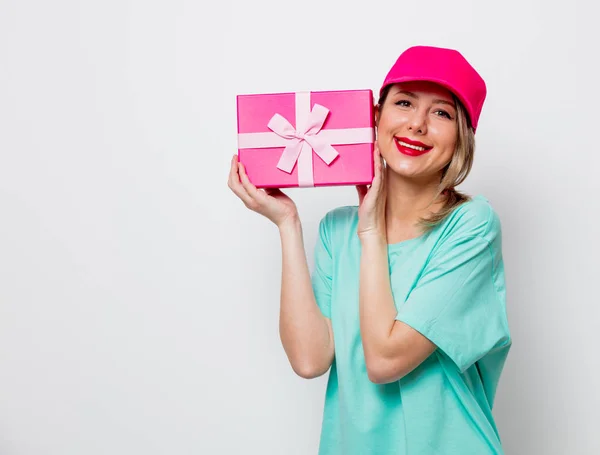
(436, 101)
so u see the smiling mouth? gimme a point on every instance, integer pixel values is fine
(410, 149)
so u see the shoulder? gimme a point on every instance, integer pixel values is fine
(340, 216)
(475, 218)
(339, 220)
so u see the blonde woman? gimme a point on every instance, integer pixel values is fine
(406, 304)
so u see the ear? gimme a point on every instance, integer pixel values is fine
(376, 109)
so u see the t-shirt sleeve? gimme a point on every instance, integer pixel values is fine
(323, 268)
(458, 302)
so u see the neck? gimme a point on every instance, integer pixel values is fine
(408, 200)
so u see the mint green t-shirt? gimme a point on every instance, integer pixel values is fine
(447, 284)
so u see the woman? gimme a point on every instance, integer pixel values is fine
(406, 303)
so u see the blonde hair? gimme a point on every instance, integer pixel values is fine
(456, 171)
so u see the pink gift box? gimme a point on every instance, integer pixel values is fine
(307, 139)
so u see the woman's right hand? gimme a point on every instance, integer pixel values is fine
(270, 202)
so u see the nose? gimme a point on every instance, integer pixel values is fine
(417, 123)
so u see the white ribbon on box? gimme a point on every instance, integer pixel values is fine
(307, 137)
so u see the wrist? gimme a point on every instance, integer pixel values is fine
(291, 224)
(368, 239)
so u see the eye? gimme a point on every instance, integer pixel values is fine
(443, 113)
(403, 103)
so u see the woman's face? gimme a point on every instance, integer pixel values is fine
(417, 129)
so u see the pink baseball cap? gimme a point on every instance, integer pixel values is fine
(446, 67)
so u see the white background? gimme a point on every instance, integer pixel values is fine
(139, 298)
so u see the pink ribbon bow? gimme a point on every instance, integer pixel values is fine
(303, 139)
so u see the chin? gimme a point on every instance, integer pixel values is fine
(412, 170)
(407, 173)
(406, 168)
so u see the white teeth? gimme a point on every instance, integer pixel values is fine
(414, 147)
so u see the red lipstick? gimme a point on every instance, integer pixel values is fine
(410, 147)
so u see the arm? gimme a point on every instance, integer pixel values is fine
(306, 334)
(392, 349)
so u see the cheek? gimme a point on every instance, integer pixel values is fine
(449, 148)
(444, 155)
(390, 120)
(445, 138)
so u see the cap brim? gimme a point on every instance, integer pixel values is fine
(438, 81)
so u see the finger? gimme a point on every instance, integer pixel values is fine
(236, 185)
(376, 185)
(377, 180)
(378, 159)
(252, 191)
(381, 162)
(232, 171)
(375, 161)
(378, 164)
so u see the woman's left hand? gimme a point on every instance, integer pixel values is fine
(372, 199)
